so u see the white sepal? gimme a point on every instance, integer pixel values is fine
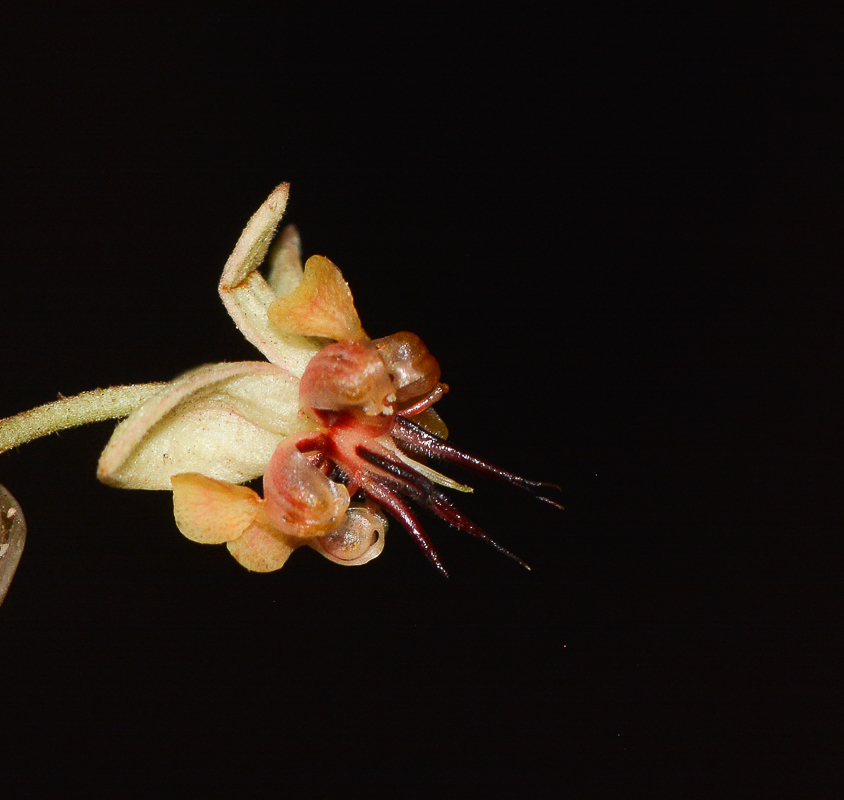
(247, 296)
(222, 420)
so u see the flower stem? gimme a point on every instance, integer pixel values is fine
(69, 412)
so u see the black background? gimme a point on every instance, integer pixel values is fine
(622, 238)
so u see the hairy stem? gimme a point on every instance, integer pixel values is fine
(69, 412)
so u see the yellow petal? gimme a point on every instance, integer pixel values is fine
(211, 511)
(321, 306)
(261, 549)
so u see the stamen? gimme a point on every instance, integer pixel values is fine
(415, 435)
(423, 491)
(405, 473)
(384, 496)
(443, 509)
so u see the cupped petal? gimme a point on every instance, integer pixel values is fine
(299, 498)
(222, 420)
(414, 370)
(358, 540)
(247, 296)
(263, 549)
(209, 511)
(321, 306)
